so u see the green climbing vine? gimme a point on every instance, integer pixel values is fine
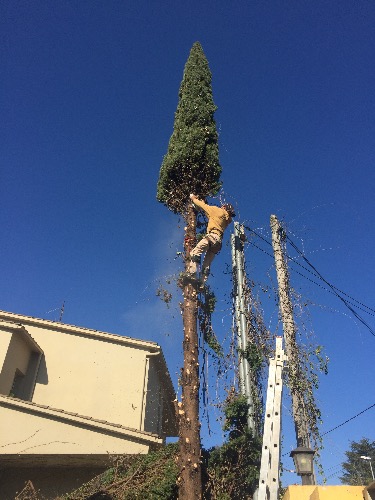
(309, 363)
(206, 307)
(313, 362)
(233, 468)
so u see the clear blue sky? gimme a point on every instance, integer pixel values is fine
(88, 95)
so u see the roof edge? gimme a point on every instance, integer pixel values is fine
(17, 327)
(22, 320)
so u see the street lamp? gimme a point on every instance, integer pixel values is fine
(369, 459)
(303, 462)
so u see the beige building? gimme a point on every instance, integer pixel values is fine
(341, 492)
(70, 397)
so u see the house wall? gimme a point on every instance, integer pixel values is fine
(153, 400)
(90, 376)
(17, 357)
(5, 338)
(39, 434)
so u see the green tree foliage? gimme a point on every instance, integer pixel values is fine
(147, 477)
(233, 468)
(356, 470)
(191, 164)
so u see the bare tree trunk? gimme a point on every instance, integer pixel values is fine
(190, 479)
(291, 348)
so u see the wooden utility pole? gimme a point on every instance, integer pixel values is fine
(291, 348)
(269, 475)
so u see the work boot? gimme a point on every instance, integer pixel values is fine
(196, 258)
(195, 261)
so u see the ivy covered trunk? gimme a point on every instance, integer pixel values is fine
(189, 461)
(296, 377)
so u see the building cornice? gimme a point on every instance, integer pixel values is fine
(16, 327)
(21, 320)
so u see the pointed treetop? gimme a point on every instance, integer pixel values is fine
(191, 164)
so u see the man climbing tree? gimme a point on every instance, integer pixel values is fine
(219, 219)
(191, 165)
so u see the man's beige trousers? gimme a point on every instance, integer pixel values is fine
(211, 244)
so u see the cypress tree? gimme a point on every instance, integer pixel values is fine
(191, 165)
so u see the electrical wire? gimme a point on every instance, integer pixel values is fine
(318, 284)
(332, 289)
(259, 235)
(261, 249)
(343, 423)
(316, 273)
(349, 419)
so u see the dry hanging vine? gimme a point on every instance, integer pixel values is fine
(305, 361)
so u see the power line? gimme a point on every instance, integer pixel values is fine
(339, 470)
(349, 419)
(343, 423)
(332, 289)
(335, 290)
(261, 249)
(317, 273)
(332, 286)
(259, 236)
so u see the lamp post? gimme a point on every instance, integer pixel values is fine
(303, 462)
(369, 459)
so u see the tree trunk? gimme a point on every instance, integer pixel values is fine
(190, 479)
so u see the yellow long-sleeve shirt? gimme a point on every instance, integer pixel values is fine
(218, 218)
